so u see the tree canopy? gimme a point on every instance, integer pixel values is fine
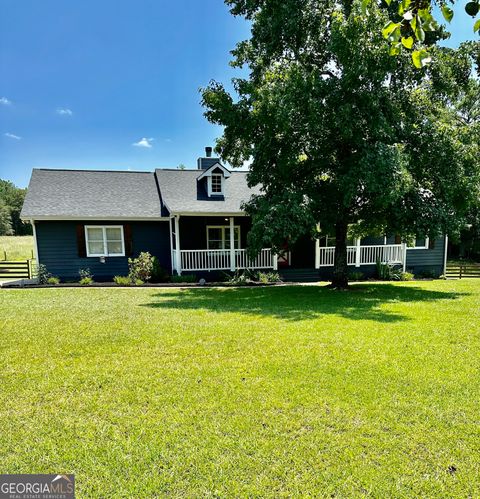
(11, 202)
(341, 133)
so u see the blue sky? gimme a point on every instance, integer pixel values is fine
(82, 82)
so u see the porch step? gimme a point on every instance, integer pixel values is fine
(299, 275)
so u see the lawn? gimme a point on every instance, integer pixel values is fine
(16, 247)
(251, 392)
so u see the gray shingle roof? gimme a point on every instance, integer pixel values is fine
(181, 192)
(91, 194)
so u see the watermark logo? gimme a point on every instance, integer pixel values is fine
(37, 487)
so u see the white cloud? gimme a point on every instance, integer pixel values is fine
(12, 136)
(64, 111)
(4, 101)
(144, 142)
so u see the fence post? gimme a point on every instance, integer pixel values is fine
(404, 256)
(275, 260)
(357, 253)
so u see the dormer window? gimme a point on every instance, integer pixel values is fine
(213, 180)
(217, 183)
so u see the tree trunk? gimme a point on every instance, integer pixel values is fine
(340, 269)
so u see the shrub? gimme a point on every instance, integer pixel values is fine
(42, 274)
(86, 277)
(122, 280)
(388, 272)
(126, 281)
(53, 280)
(140, 268)
(356, 276)
(159, 274)
(241, 278)
(184, 278)
(407, 276)
(267, 277)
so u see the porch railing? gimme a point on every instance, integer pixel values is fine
(365, 255)
(220, 260)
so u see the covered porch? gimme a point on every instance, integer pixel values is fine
(218, 243)
(211, 243)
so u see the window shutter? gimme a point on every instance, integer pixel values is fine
(398, 239)
(127, 236)
(81, 246)
(431, 243)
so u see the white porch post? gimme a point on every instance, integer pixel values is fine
(404, 256)
(275, 261)
(317, 249)
(358, 252)
(232, 245)
(178, 261)
(172, 255)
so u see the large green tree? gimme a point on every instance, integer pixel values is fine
(12, 197)
(341, 133)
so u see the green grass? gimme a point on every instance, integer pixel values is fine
(16, 247)
(252, 392)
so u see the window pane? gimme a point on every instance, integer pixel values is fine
(215, 244)
(95, 234)
(114, 247)
(114, 234)
(95, 247)
(216, 183)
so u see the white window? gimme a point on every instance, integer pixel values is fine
(106, 240)
(218, 237)
(418, 243)
(217, 184)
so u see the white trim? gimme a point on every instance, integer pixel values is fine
(99, 219)
(223, 227)
(232, 243)
(210, 185)
(178, 261)
(317, 249)
(35, 242)
(171, 242)
(415, 247)
(105, 241)
(209, 170)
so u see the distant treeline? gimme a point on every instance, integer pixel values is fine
(11, 201)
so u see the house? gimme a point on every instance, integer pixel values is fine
(191, 220)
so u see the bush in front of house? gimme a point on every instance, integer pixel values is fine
(407, 276)
(86, 277)
(268, 277)
(141, 268)
(42, 274)
(388, 272)
(53, 280)
(121, 280)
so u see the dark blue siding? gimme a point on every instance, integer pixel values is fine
(419, 260)
(57, 248)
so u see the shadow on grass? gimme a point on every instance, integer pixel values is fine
(362, 302)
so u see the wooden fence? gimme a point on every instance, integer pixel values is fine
(16, 269)
(460, 270)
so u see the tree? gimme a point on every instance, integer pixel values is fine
(339, 132)
(5, 220)
(411, 22)
(13, 198)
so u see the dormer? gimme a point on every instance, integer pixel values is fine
(213, 176)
